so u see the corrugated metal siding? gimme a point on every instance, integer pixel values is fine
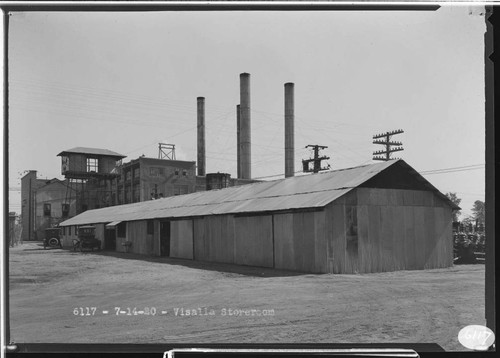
(253, 240)
(181, 239)
(299, 241)
(402, 230)
(213, 239)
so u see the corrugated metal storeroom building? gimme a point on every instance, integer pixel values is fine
(372, 218)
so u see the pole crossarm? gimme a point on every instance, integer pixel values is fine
(398, 131)
(385, 151)
(385, 142)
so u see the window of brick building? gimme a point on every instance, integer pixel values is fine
(156, 171)
(46, 209)
(65, 210)
(92, 165)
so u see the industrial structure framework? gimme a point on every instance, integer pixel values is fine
(166, 151)
(89, 172)
(372, 218)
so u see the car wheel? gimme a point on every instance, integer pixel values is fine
(53, 242)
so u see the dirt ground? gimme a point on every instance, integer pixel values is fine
(46, 286)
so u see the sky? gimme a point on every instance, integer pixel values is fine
(128, 81)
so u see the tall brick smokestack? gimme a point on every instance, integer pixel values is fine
(289, 130)
(245, 135)
(238, 142)
(201, 136)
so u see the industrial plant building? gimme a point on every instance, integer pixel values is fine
(44, 204)
(97, 178)
(372, 218)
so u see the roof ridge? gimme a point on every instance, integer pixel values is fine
(271, 195)
(259, 197)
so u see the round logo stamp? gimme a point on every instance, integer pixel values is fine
(476, 337)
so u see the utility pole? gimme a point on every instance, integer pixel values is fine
(385, 139)
(316, 160)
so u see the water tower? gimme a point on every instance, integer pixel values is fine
(89, 172)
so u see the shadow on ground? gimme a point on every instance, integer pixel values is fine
(200, 265)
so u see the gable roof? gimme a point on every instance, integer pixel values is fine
(307, 191)
(92, 151)
(48, 182)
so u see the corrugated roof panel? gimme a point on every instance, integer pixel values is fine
(95, 151)
(143, 212)
(308, 191)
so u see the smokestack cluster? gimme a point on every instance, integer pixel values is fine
(289, 130)
(243, 131)
(201, 136)
(245, 126)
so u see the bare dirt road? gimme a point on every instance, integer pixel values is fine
(50, 289)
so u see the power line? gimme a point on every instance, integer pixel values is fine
(276, 175)
(453, 170)
(103, 94)
(429, 172)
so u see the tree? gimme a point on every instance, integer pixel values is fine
(455, 200)
(478, 211)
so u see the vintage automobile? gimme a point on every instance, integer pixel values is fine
(86, 239)
(52, 238)
(464, 248)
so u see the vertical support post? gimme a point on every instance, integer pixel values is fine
(317, 162)
(5, 262)
(492, 152)
(387, 147)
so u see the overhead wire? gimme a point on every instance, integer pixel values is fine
(126, 97)
(453, 170)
